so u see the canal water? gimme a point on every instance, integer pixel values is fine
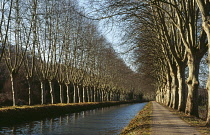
(101, 121)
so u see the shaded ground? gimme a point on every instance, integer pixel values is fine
(166, 123)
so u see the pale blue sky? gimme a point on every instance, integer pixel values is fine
(113, 34)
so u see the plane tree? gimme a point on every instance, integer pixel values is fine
(204, 7)
(16, 40)
(6, 11)
(29, 60)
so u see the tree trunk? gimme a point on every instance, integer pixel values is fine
(173, 91)
(79, 95)
(29, 90)
(29, 93)
(43, 92)
(61, 92)
(12, 78)
(68, 93)
(98, 95)
(75, 94)
(83, 94)
(107, 95)
(51, 83)
(94, 94)
(208, 90)
(88, 95)
(91, 95)
(102, 95)
(208, 81)
(162, 94)
(181, 89)
(206, 26)
(192, 84)
(168, 88)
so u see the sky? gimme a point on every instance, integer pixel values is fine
(113, 34)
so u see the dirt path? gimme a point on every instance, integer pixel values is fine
(166, 123)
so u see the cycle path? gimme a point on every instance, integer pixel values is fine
(166, 123)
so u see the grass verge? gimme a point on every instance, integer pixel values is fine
(141, 124)
(18, 114)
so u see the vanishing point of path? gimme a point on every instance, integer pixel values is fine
(166, 123)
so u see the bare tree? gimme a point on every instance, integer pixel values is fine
(5, 23)
(18, 42)
(204, 6)
(29, 61)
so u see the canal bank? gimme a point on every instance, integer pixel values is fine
(19, 114)
(101, 121)
(141, 124)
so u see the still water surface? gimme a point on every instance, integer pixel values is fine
(101, 121)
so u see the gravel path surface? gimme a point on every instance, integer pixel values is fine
(166, 123)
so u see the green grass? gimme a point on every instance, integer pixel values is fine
(141, 124)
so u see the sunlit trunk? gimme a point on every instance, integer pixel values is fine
(29, 90)
(192, 84)
(168, 88)
(61, 92)
(83, 94)
(68, 93)
(174, 95)
(12, 77)
(79, 95)
(206, 26)
(102, 95)
(208, 90)
(181, 89)
(13, 90)
(208, 81)
(51, 83)
(43, 92)
(29, 94)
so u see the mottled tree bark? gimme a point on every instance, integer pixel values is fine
(181, 87)
(68, 92)
(204, 6)
(83, 94)
(61, 93)
(79, 95)
(192, 84)
(43, 92)
(12, 78)
(51, 83)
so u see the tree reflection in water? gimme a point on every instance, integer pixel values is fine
(108, 120)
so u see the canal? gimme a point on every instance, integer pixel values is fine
(101, 121)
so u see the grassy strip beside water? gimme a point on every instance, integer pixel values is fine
(141, 124)
(13, 115)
